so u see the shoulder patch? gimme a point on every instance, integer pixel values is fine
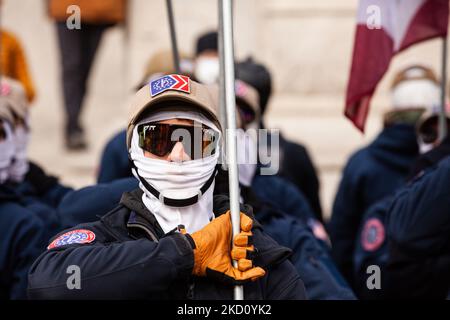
(373, 234)
(80, 236)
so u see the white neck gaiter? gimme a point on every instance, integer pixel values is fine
(20, 165)
(6, 152)
(176, 180)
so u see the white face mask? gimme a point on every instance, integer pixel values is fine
(424, 147)
(207, 70)
(246, 157)
(20, 165)
(176, 180)
(6, 152)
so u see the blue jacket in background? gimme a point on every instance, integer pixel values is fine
(114, 163)
(418, 229)
(90, 203)
(23, 238)
(371, 174)
(371, 249)
(42, 211)
(310, 255)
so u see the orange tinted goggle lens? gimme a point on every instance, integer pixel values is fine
(160, 138)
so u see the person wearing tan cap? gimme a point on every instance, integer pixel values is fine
(26, 178)
(379, 169)
(114, 162)
(22, 233)
(167, 239)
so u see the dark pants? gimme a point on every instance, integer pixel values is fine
(78, 49)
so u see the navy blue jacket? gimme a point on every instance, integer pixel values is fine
(418, 229)
(114, 163)
(22, 238)
(131, 258)
(90, 203)
(310, 258)
(42, 211)
(283, 195)
(371, 174)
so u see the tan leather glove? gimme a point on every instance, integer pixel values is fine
(212, 254)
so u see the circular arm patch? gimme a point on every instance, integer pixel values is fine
(80, 236)
(373, 234)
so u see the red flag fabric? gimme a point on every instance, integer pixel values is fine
(402, 23)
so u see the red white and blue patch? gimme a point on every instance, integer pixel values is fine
(373, 234)
(171, 82)
(80, 236)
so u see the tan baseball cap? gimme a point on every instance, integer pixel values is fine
(14, 97)
(5, 112)
(159, 94)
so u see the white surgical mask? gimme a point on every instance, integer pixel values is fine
(20, 165)
(207, 70)
(176, 180)
(6, 152)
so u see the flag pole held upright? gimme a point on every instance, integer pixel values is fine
(442, 116)
(173, 37)
(227, 74)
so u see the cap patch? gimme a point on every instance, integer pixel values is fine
(5, 89)
(171, 82)
(80, 236)
(372, 235)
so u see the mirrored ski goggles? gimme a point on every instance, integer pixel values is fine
(199, 141)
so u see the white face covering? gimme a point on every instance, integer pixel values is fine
(207, 70)
(6, 152)
(20, 165)
(176, 180)
(246, 157)
(424, 147)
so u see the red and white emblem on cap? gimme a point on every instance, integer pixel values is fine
(373, 234)
(79, 236)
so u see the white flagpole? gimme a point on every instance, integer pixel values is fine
(442, 116)
(227, 56)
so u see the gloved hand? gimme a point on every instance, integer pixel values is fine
(212, 256)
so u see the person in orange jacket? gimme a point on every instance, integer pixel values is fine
(13, 62)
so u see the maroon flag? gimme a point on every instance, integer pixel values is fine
(402, 23)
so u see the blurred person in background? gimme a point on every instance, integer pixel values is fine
(296, 164)
(13, 62)
(379, 169)
(371, 246)
(23, 235)
(36, 190)
(206, 61)
(78, 48)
